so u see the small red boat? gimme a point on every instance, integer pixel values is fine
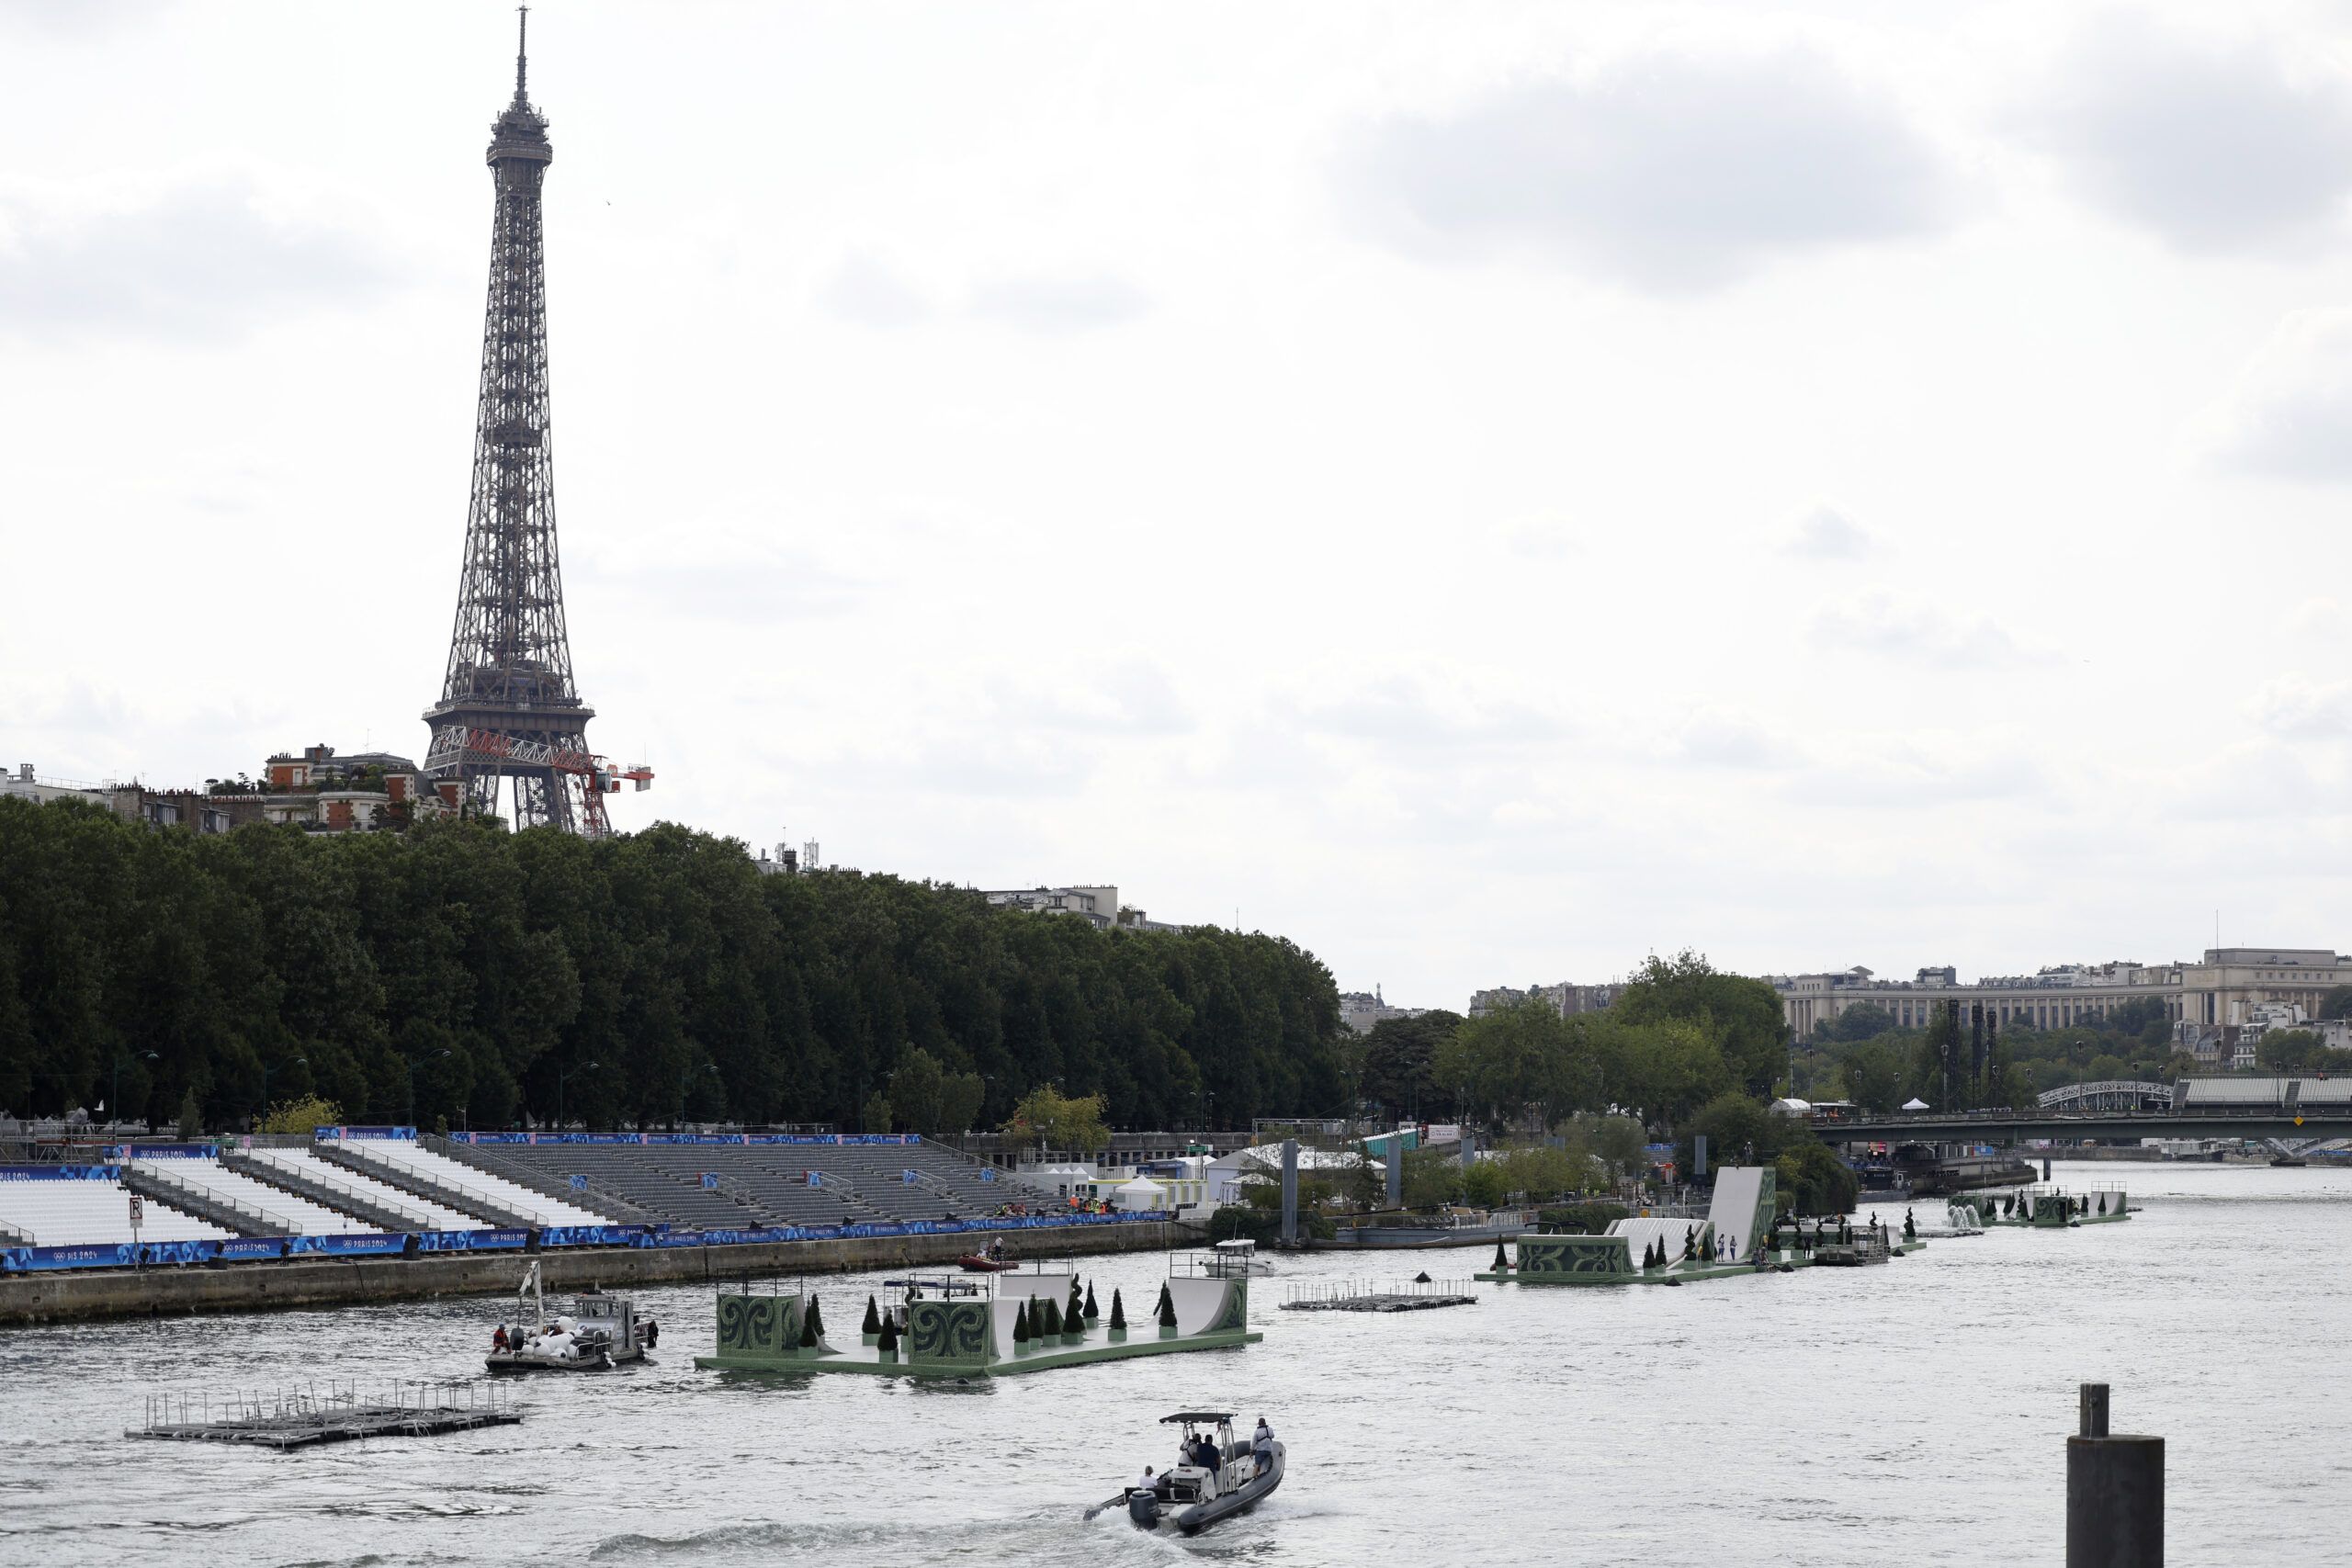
(972, 1263)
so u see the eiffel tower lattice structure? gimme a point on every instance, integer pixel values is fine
(509, 709)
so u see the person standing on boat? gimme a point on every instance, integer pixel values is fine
(1145, 1483)
(1262, 1446)
(498, 1341)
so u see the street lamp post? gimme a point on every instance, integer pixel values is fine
(562, 1074)
(114, 1090)
(267, 1069)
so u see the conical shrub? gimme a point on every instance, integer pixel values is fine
(1118, 1308)
(873, 1324)
(1021, 1324)
(1166, 1308)
(1502, 1259)
(1090, 1312)
(890, 1339)
(817, 1315)
(1052, 1324)
(808, 1326)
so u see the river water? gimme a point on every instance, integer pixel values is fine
(1909, 1413)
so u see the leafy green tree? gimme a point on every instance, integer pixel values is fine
(1430, 1179)
(1873, 1075)
(874, 1116)
(1398, 1056)
(1864, 1021)
(1055, 1120)
(1521, 1067)
(2289, 1050)
(2336, 1003)
(1742, 1016)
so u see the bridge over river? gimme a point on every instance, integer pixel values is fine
(2015, 1126)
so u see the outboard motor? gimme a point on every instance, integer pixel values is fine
(1143, 1508)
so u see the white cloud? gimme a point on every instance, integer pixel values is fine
(1917, 632)
(1668, 172)
(869, 290)
(1128, 697)
(2288, 413)
(194, 261)
(1826, 534)
(2215, 144)
(1714, 740)
(1056, 307)
(2296, 708)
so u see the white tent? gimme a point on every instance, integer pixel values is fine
(1140, 1195)
(1915, 1104)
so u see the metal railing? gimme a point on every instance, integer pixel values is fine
(357, 1203)
(173, 1189)
(429, 1185)
(545, 1184)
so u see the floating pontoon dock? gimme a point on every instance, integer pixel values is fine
(299, 1417)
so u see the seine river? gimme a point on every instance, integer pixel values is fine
(1910, 1413)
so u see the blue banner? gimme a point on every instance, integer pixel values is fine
(253, 1249)
(61, 1173)
(471, 1240)
(359, 1246)
(652, 1140)
(333, 1135)
(590, 1236)
(174, 1151)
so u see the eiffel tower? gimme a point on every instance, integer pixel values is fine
(508, 707)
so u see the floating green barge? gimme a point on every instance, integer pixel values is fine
(988, 1325)
(1738, 1236)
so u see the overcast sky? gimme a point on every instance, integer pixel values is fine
(1486, 491)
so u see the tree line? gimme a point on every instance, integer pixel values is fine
(1686, 1050)
(460, 973)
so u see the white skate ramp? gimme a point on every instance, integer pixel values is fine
(1737, 1211)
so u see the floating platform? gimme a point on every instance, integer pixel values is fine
(302, 1418)
(1423, 1295)
(1743, 1214)
(2054, 1208)
(973, 1331)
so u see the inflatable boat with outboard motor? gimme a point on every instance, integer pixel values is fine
(598, 1332)
(1214, 1476)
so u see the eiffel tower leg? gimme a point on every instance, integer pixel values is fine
(531, 804)
(481, 794)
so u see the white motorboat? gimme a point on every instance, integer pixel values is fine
(1237, 1259)
(596, 1332)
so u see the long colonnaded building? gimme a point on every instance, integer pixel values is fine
(2220, 991)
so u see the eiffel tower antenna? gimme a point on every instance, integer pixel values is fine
(509, 710)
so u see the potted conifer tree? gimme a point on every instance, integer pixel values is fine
(1020, 1329)
(870, 1329)
(887, 1342)
(1118, 1318)
(1167, 1314)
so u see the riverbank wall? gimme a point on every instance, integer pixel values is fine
(304, 1282)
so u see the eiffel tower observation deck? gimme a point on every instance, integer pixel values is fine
(509, 709)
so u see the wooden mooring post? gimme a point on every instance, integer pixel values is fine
(2115, 1493)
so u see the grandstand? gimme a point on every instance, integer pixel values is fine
(301, 1171)
(491, 1200)
(288, 1211)
(92, 1211)
(720, 1185)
